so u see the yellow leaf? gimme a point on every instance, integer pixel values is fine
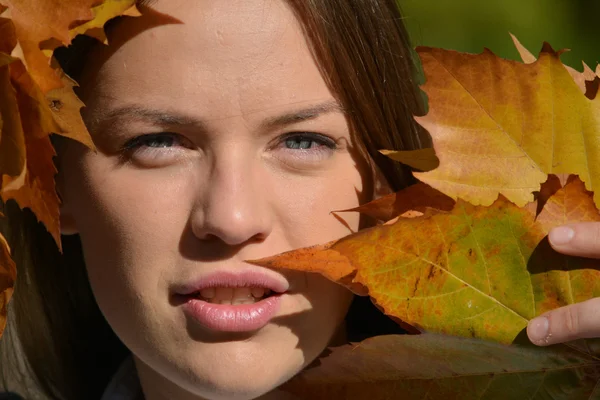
(580, 77)
(102, 13)
(500, 126)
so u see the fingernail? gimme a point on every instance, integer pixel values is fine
(538, 329)
(561, 235)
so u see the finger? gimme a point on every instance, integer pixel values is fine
(576, 321)
(582, 239)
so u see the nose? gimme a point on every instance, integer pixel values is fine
(233, 207)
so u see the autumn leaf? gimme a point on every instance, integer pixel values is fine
(65, 107)
(32, 122)
(436, 367)
(476, 271)
(579, 77)
(418, 197)
(31, 110)
(8, 275)
(39, 21)
(12, 143)
(501, 126)
(420, 159)
(102, 13)
(42, 26)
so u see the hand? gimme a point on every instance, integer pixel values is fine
(576, 321)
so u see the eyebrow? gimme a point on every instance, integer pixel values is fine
(170, 118)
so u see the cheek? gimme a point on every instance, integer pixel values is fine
(305, 206)
(130, 222)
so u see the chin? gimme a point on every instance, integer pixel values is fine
(240, 370)
(237, 383)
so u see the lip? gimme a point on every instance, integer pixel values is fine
(232, 318)
(246, 278)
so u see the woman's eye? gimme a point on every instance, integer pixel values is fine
(155, 148)
(300, 149)
(308, 141)
(301, 143)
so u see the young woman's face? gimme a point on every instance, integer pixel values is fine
(219, 142)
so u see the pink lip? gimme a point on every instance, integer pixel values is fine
(247, 278)
(232, 318)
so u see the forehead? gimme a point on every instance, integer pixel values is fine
(240, 56)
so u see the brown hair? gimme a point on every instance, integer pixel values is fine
(57, 339)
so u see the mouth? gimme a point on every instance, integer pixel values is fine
(233, 302)
(232, 295)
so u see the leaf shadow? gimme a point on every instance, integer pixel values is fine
(545, 259)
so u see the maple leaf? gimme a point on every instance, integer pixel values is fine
(580, 78)
(29, 178)
(40, 21)
(436, 367)
(501, 126)
(29, 113)
(475, 271)
(8, 275)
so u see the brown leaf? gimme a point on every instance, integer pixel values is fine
(437, 367)
(421, 159)
(417, 197)
(12, 137)
(8, 275)
(31, 124)
(8, 36)
(39, 21)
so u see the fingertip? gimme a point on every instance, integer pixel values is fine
(538, 331)
(561, 235)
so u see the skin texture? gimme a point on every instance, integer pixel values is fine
(221, 188)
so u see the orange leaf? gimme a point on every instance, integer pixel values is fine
(40, 21)
(8, 275)
(417, 197)
(476, 271)
(31, 179)
(65, 107)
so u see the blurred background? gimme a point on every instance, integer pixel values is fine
(471, 25)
